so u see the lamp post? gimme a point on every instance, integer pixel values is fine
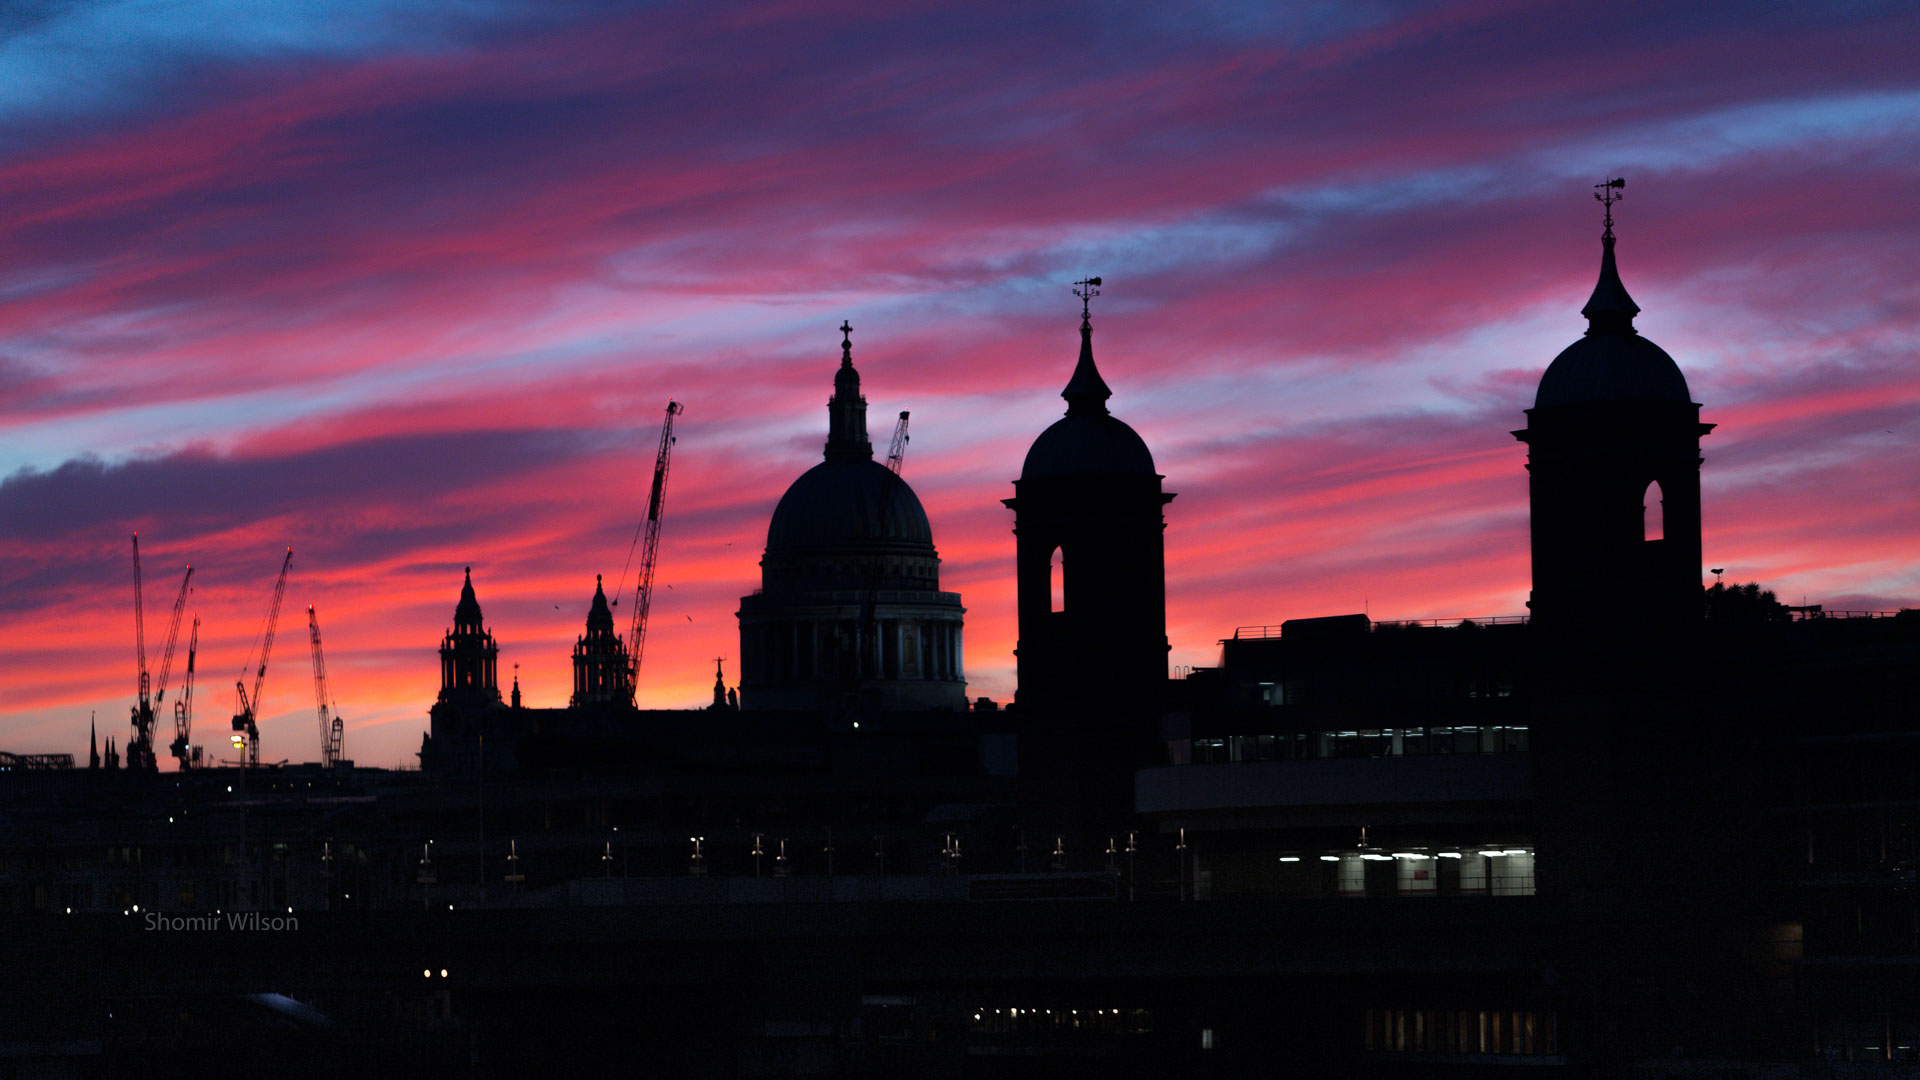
(514, 876)
(1180, 854)
(1132, 848)
(426, 877)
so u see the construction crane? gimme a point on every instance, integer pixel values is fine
(331, 736)
(152, 694)
(183, 709)
(896, 454)
(246, 728)
(643, 592)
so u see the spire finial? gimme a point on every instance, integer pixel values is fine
(847, 410)
(1609, 310)
(1608, 192)
(1086, 290)
(1086, 392)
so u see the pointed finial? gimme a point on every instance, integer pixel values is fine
(1608, 192)
(846, 409)
(1086, 391)
(1086, 290)
(1609, 310)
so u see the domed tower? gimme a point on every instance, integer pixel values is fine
(1091, 553)
(849, 612)
(469, 657)
(601, 673)
(1613, 457)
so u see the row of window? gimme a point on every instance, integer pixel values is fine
(78, 858)
(1013, 1020)
(1438, 685)
(1419, 872)
(1461, 1031)
(1358, 743)
(68, 897)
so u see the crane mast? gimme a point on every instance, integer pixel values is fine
(897, 452)
(140, 636)
(331, 736)
(246, 728)
(152, 694)
(183, 708)
(656, 507)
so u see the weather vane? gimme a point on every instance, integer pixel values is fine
(1086, 291)
(1611, 191)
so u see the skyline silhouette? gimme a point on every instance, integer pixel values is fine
(409, 297)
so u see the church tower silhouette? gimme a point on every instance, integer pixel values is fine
(469, 657)
(1613, 456)
(602, 673)
(1091, 552)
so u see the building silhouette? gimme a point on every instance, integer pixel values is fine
(1631, 833)
(602, 674)
(469, 657)
(849, 614)
(1613, 462)
(1090, 558)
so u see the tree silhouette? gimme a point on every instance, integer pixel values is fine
(1747, 603)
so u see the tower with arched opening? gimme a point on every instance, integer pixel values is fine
(1613, 457)
(1091, 553)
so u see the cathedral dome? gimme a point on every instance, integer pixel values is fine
(849, 614)
(1612, 362)
(840, 504)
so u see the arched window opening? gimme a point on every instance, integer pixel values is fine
(1653, 514)
(1057, 581)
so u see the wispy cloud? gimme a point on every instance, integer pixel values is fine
(407, 289)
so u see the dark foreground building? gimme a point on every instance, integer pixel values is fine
(1644, 830)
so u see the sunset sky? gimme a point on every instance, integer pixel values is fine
(407, 286)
